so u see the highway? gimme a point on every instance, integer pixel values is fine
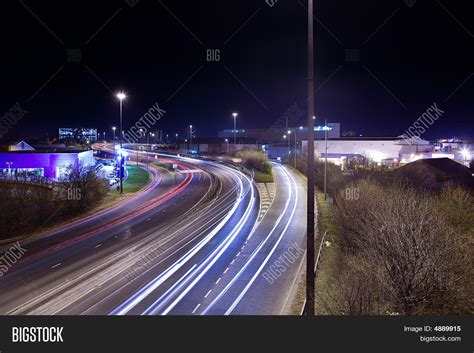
(189, 243)
(233, 284)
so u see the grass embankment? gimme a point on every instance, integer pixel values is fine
(261, 177)
(327, 269)
(254, 159)
(331, 252)
(136, 180)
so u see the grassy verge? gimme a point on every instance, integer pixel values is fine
(328, 265)
(261, 177)
(137, 179)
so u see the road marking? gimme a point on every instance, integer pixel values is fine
(238, 254)
(232, 262)
(227, 269)
(197, 307)
(59, 264)
(208, 293)
(98, 246)
(218, 280)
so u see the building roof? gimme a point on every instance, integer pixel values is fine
(20, 146)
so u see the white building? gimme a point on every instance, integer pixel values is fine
(382, 150)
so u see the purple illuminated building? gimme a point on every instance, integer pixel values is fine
(49, 165)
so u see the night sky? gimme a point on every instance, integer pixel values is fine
(408, 55)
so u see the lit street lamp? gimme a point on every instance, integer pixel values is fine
(113, 129)
(121, 96)
(235, 127)
(227, 143)
(190, 135)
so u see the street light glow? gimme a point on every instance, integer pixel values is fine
(465, 153)
(234, 115)
(121, 96)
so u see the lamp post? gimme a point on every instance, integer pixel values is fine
(289, 143)
(309, 309)
(190, 136)
(227, 145)
(103, 135)
(113, 129)
(235, 128)
(121, 96)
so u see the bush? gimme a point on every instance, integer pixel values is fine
(413, 251)
(254, 159)
(28, 208)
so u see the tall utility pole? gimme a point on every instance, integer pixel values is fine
(309, 309)
(121, 96)
(325, 157)
(235, 128)
(296, 153)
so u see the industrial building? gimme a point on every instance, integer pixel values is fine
(79, 134)
(23, 160)
(275, 134)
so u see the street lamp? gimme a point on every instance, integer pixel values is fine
(113, 129)
(190, 135)
(121, 96)
(289, 139)
(235, 127)
(227, 142)
(310, 241)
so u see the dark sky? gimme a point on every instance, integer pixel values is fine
(411, 54)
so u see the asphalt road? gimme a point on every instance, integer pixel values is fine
(189, 244)
(95, 265)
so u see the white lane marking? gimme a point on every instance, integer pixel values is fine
(232, 262)
(218, 280)
(197, 307)
(155, 283)
(238, 253)
(219, 251)
(59, 264)
(260, 269)
(98, 245)
(256, 251)
(227, 269)
(208, 293)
